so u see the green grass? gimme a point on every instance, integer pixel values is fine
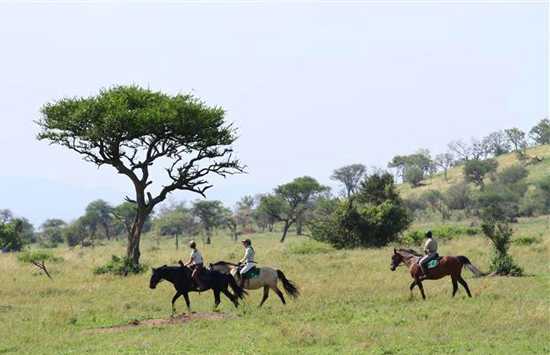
(351, 303)
(455, 175)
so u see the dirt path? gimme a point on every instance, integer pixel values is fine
(179, 319)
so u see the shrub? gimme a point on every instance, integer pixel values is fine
(500, 234)
(119, 266)
(512, 174)
(526, 240)
(39, 258)
(443, 232)
(459, 197)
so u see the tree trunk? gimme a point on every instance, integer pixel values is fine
(208, 235)
(177, 242)
(285, 231)
(132, 251)
(270, 227)
(299, 226)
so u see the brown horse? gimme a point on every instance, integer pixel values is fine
(448, 266)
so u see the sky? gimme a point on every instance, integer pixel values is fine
(311, 86)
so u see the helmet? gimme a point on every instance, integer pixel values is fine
(246, 242)
(428, 234)
(192, 244)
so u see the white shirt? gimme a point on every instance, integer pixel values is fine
(196, 257)
(248, 255)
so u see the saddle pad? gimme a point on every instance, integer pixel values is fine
(432, 263)
(252, 273)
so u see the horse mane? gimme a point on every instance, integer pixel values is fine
(409, 251)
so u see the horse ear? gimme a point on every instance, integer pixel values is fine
(394, 251)
(153, 269)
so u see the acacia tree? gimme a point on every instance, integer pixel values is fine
(100, 213)
(540, 133)
(349, 176)
(131, 129)
(211, 214)
(516, 137)
(444, 161)
(296, 196)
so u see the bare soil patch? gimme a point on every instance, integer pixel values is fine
(178, 319)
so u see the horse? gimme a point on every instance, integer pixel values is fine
(267, 279)
(448, 266)
(180, 277)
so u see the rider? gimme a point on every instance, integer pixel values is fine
(196, 263)
(430, 249)
(247, 261)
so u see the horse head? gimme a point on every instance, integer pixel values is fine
(396, 259)
(156, 277)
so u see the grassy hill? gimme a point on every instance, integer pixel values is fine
(455, 175)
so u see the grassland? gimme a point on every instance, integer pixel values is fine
(351, 303)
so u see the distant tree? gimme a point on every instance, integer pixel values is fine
(476, 170)
(211, 215)
(444, 161)
(271, 209)
(5, 215)
(481, 149)
(462, 150)
(349, 176)
(377, 188)
(498, 143)
(516, 137)
(130, 129)
(52, 232)
(297, 194)
(11, 235)
(27, 231)
(435, 200)
(540, 133)
(175, 222)
(100, 214)
(413, 175)
(244, 213)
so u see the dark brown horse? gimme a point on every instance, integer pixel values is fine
(448, 266)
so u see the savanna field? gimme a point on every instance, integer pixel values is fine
(351, 303)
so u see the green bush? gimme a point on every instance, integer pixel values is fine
(500, 234)
(512, 174)
(119, 266)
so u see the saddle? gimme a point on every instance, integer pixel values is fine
(433, 262)
(252, 273)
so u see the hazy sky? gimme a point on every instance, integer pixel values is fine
(311, 87)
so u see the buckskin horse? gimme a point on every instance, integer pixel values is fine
(447, 266)
(180, 277)
(267, 278)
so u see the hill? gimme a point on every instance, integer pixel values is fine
(437, 182)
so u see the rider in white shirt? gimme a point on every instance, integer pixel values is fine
(196, 263)
(247, 261)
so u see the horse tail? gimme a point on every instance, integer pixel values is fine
(466, 262)
(290, 287)
(239, 292)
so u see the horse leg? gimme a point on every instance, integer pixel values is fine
(419, 283)
(465, 285)
(176, 296)
(279, 293)
(229, 295)
(216, 298)
(266, 294)
(455, 285)
(411, 287)
(187, 302)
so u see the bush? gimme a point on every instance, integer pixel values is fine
(533, 203)
(459, 197)
(39, 258)
(500, 234)
(526, 240)
(499, 202)
(119, 266)
(512, 174)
